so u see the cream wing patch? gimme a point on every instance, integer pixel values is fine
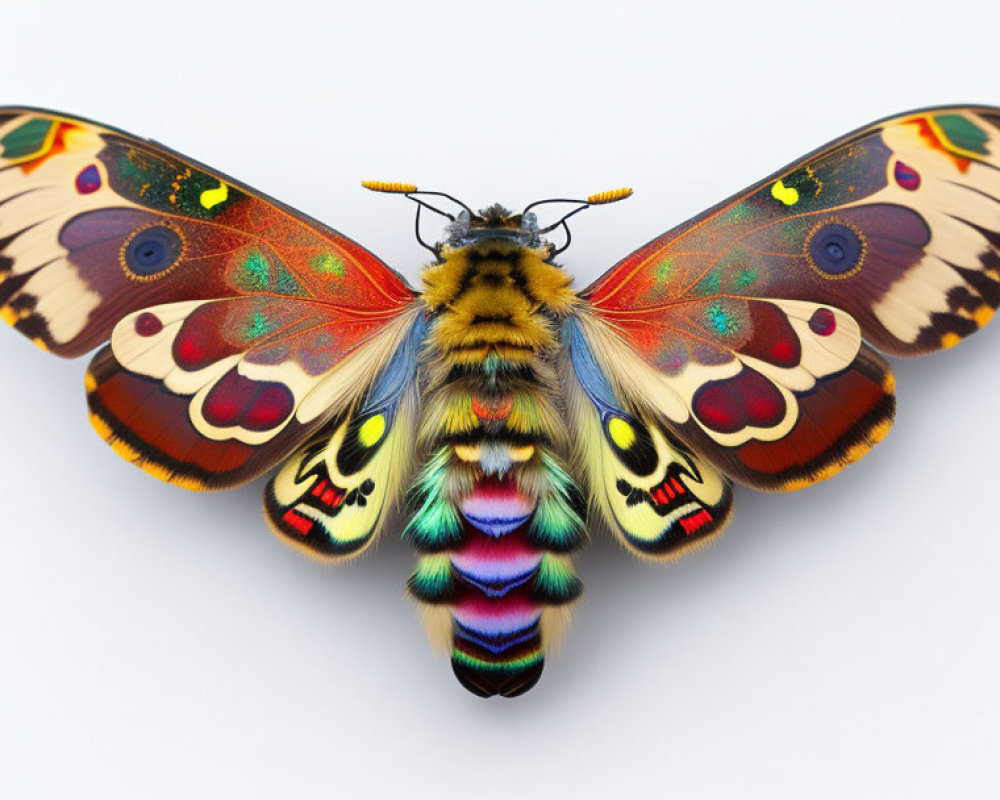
(827, 339)
(957, 192)
(37, 203)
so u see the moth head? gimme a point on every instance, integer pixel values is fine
(495, 222)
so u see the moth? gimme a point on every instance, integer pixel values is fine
(237, 336)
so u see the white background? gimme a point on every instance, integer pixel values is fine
(840, 641)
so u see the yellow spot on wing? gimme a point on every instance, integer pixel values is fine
(124, 449)
(8, 315)
(158, 471)
(621, 433)
(371, 430)
(162, 473)
(212, 197)
(880, 431)
(949, 340)
(184, 482)
(982, 315)
(786, 194)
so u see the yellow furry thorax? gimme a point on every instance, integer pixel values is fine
(495, 296)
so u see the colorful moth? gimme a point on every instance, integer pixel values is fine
(238, 335)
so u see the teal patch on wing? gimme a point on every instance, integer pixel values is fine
(260, 270)
(26, 140)
(963, 133)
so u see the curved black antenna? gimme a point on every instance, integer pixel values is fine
(408, 190)
(429, 207)
(562, 221)
(455, 200)
(530, 206)
(416, 231)
(569, 238)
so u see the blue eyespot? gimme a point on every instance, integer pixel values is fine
(836, 249)
(153, 250)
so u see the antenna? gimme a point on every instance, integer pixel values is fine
(599, 199)
(410, 191)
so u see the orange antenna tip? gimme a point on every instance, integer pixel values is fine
(613, 196)
(388, 186)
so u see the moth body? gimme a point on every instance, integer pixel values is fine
(495, 512)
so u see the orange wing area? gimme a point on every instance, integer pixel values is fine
(96, 224)
(898, 224)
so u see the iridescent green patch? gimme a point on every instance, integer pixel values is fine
(327, 264)
(746, 277)
(664, 270)
(963, 133)
(254, 272)
(285, 283)
(261, 273)
(258, 326)
(722, 321)
(793, 232)
(27, 139)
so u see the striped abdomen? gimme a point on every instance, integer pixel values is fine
(496, 513)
